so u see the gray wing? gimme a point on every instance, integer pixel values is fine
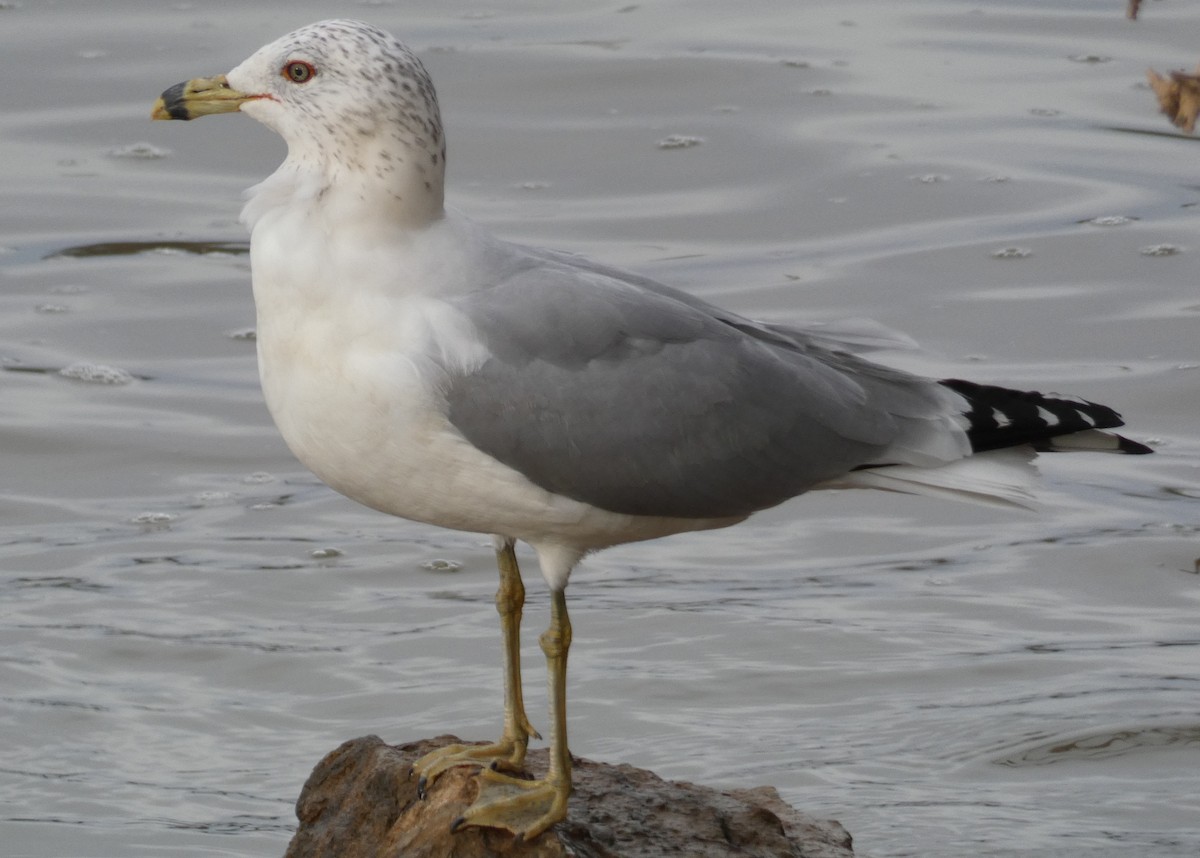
(619, 392)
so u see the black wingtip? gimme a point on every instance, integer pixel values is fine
(999, 417)
(1133, 448)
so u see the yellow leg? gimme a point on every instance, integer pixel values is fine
(527, 808)
(509, 752)
(510, 599)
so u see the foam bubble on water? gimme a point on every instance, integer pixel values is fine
(679, 141)
(441, 565)
(1012, 253)
(258, 477)
(1110, 220)
(153, 519)
(51, 308)
(327, 553)
(930, 178)
(1089, 58)
(140, 151)
(96, 373)
(1160, 250)
(243, 334)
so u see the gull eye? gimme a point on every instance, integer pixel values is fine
(298, 71)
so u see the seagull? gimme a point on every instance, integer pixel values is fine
(431, 370)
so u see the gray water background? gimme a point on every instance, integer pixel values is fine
(189, 620)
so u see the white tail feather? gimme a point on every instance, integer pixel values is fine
(998, 478)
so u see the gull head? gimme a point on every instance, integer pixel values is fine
(354, 104)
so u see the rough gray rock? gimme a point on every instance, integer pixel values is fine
(360, 803)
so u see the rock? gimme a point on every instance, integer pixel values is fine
(360, 803)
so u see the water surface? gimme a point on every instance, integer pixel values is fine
(189, 620)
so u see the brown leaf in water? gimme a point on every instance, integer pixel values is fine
(1178, 96)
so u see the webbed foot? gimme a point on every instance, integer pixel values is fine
(524, 807)
(506, 755)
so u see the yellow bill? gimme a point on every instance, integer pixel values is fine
(201, 96)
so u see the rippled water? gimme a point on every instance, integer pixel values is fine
(189, 620)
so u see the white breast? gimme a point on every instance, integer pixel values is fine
(354, 339)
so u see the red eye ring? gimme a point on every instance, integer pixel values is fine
(298, 71)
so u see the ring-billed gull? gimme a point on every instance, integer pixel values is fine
(430, 370)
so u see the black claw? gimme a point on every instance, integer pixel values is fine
(422, 782)
(457, 824)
